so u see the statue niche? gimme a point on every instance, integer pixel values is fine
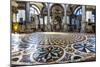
(57, 16)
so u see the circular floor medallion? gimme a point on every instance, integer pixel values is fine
(84, 47)
(48, 54)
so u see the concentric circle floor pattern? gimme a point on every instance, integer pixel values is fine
(52, 47)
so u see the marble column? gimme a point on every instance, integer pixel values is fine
(65, 17)
(27, 12)
(39, 25)
(83, 24)
(14, 17)
(48, 17)
(65, 9)
(43, 23)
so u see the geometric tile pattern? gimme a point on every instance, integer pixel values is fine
(49, 47)
(84, 47)
(48, 54)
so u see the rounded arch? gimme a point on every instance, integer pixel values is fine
(57, 7)
(33, 7)
(44, 4)
(44, 9)
(78, 10)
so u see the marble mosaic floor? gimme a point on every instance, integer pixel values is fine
(52, 47)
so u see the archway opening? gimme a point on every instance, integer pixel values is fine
(57, 13)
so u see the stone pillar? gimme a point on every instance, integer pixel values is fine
(48, 17)
(14, 14)
(39, 25)
(27, 12)
(65, 17)
(43, 23)
(83, 22)
(14, 17)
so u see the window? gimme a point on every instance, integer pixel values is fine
(90, 16)
(20, 14)
(78, 11)
(33, 11)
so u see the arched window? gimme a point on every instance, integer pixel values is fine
(21, 15)
(89, 14)
(78, 11)
(34, 10)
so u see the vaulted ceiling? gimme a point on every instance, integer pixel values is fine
(40, 6)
